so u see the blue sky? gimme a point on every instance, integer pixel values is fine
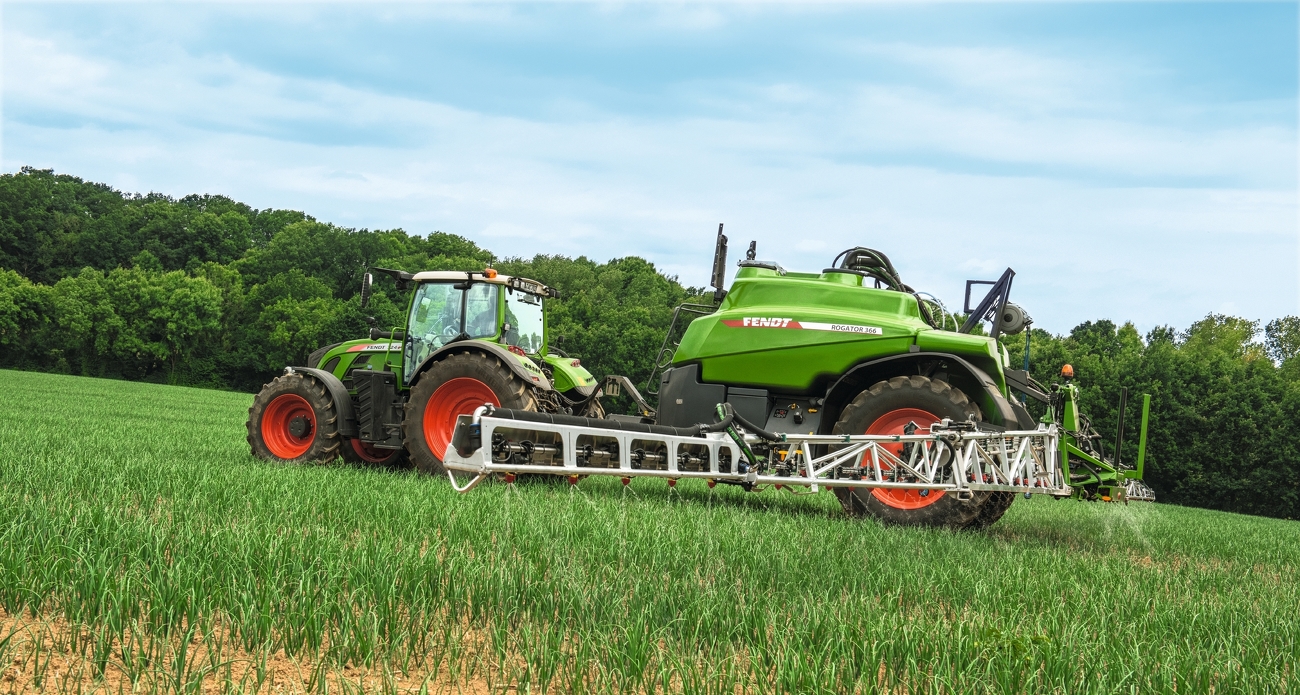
(1131, 161)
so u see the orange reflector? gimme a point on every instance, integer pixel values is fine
(1067, 372)
(490, 273)
(575, 363)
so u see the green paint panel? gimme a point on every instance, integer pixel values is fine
(380, 352)
(796, 332)
(566, 375)
(979, 350)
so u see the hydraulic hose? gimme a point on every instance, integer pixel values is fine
(722, 424)
(731, 417)
(755, 429)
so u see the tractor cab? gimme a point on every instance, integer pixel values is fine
(448, 306)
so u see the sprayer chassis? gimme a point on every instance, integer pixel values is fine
(953, 461)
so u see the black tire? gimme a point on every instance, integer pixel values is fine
(509, 390)
(355, 451)
(921, 393)
(993, 508)
(595, 409)
(293, 419)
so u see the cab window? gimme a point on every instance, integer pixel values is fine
(523, 326)
(440, 313)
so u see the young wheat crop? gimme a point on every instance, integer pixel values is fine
(140, 543)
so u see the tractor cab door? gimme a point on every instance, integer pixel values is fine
(524, 326)
(446, 311)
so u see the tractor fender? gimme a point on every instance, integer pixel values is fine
(969, 378)
(342, 400)
(508, 358)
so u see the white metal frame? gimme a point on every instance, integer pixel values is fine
(1025, 461)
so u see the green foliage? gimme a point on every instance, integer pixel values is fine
(149, 518)
(1282, 338)
(52, 225)
(130, 322)
(1221, 433)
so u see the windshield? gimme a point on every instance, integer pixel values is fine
(524, 321)
(440, 313)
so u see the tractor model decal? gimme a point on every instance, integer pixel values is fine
(372, 346)
(756, 322)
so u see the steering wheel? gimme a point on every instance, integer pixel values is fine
(449, 332)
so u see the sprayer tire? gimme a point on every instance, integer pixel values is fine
(456, 386)
(903, 399)
(993, 508)
(287, 398)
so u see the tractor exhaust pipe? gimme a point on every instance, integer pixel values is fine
(719, 267)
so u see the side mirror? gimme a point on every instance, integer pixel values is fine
(366, 280)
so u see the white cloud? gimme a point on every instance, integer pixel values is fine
(999, 74)
(821, 171)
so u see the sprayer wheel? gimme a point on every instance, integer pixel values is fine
(993, 508)
(453, 387)
(889, 407)
(293, 419)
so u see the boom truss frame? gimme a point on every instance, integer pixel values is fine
(950, 458)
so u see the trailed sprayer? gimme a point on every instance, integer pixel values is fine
(845, 379)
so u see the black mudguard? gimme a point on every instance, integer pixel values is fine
(342, 400)
(537, 380)
(857, 378)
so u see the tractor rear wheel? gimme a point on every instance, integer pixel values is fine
(891, 407)
(367, 454)
(456, 386)
(293, 419)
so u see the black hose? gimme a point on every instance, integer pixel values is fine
(722, 424)
(925, 312)
(755, 429)
(578, 421)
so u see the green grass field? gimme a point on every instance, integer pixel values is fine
(141, 544)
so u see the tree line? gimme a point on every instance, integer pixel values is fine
(207, 291)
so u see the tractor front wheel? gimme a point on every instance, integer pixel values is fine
(897, 406)
(293, 419)
(453, 387)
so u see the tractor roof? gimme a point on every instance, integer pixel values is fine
(531, 286)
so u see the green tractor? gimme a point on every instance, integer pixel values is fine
(471, 338)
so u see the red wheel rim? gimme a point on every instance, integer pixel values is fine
(456, 397)
(276, 420)
(371, 453)
(894, 422)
